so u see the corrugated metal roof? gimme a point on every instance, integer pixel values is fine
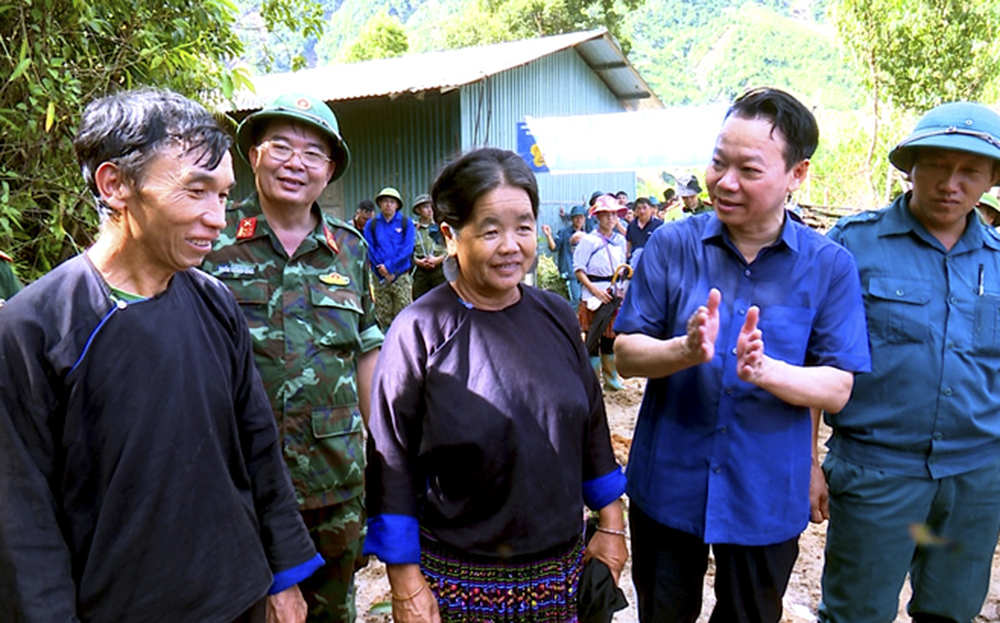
(444, 71)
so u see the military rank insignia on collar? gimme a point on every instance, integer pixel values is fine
(246, 228)
(335, 279)
(330, 242)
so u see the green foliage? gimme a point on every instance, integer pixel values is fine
(382, 37)
(547, 275)
(713, 50)
(57, 56)
(493, 21)
(280, 35)
(916, 54)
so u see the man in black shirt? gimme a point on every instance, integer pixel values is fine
(141, 477)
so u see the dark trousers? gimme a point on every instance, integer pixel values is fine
(256, 614)
(668, 569)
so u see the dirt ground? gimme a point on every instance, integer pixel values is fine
(801, 598)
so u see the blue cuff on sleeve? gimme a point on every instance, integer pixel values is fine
(603, 490)
(395, 539)
(291, 577)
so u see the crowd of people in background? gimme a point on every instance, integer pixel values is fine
(221, 408)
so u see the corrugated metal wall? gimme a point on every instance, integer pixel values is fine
(401, 142)
(398, 143)
(557, 85)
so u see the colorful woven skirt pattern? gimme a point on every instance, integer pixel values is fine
(480, 589)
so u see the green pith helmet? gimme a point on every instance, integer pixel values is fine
(389, 191)
(959, 126)
(990, 202)
(303, 109)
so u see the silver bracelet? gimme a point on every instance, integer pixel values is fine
(610, 531)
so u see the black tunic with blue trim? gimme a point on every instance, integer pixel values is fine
(140, 472)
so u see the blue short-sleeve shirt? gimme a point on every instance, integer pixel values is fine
(712, 455)
(929, 408)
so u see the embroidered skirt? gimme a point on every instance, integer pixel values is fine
(586, 317)
(537, 588)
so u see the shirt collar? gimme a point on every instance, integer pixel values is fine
(899, 219)
(714, 229)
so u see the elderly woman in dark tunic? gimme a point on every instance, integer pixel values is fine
(488, 431)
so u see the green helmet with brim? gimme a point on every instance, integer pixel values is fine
(299, 108)
(959, 126)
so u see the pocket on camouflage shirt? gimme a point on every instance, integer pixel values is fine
(333, 421)
(338, 316)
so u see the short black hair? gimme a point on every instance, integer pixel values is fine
(366, 205)
(669, 194)
(461, 182)
(787, 115)
(131, 127)
(643, 200)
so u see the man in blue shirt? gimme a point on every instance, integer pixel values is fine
(741, 319)
(914, 461)
(390, 237)
(640, 229)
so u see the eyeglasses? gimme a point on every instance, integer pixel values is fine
(283, 152)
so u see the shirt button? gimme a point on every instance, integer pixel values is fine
(952, 300)
(899, 292)
(724, 430)
(729, 391)
(743, 312)
(717, 470)
(734, 350)
(938, 436)
(747, 272)
(947, 391)
(951, 344)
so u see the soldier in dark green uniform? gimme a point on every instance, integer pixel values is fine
(689, 191)
(428, 248)
(9, 285)
(301, 278)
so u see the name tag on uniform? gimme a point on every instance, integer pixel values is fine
(237, 270)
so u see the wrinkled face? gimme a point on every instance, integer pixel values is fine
(947, 185)
(178, 210)
(290, 182)
(388, 206)
(748, 179)
(496, 247)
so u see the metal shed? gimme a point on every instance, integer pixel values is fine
(403, 117)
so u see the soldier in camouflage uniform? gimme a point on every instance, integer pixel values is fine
(428, 248)
(9, 285)
(302, 281)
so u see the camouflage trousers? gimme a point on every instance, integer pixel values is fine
(339, 534)
(391, 298)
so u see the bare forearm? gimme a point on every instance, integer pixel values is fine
(819, 387)
(641, 355)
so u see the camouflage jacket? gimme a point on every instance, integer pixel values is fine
(310, 317)
(427, 241)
